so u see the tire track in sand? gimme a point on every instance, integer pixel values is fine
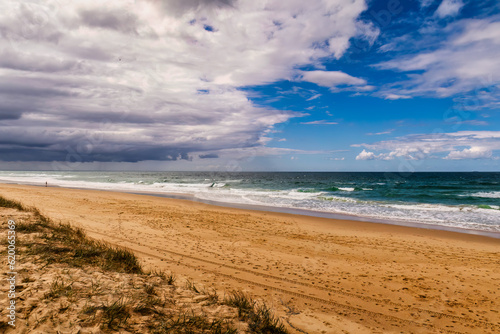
(335, 304)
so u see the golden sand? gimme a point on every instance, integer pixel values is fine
(320, 275)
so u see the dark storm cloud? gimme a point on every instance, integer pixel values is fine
(8, 112)
(29, 154)
(24, 139)
(84, 81)
(208, 156)
(11, 144)
(132, 154)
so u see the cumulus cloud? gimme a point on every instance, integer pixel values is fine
(156, 80)
(454, 145)
(465, 63)
(364, 155)
(470, 153)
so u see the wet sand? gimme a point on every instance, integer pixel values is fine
(321, 275)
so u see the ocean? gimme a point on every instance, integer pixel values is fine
(446, 200)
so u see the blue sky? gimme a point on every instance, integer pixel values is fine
(327, 85)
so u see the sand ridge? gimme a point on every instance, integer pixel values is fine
(321, 275)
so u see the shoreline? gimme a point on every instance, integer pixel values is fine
(285, 210)
(322, 275)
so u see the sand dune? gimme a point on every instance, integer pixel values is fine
(320, 275)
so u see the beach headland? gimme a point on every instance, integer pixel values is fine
(320, 275)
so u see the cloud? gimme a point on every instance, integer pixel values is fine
(116, 19)
(320, 122)
(426, 3)
(250, 152)
(396, 97)
(380, 133)
(314, 97)
(208, 156)
(455, 145)
(331, 79)
(31, 62)
(470, 153)
(364, 155)
(147, 80)
(476, 122)
(449, 8)
(465, 63)
(179, 7)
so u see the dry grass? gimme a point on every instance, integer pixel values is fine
(190, 323)
(67, 244)
(259, 317)
(63, 245)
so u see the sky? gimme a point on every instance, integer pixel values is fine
(250, 85)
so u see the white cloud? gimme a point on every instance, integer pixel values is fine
(396, 97)
(335, 80)
(456, 145)
(320, 122)
(380, 133)
(466, 63)
(314, 97)
(364, 155)
(426, 3)
(331, 78)
(470, 153)
(157, 79)
(245, 153)
(449, 8)
(476, 122)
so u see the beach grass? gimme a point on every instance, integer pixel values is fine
(68, 244)
(62, 244)
(7, 203)
(258, 315)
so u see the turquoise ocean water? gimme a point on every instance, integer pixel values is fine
(468, 201)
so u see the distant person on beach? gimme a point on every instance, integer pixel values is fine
(45, 183)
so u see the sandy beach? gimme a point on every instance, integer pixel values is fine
(320, 275)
